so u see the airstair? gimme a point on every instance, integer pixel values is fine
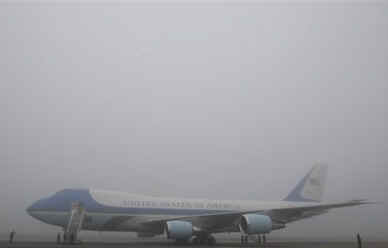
(74, 226)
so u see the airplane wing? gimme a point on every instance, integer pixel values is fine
(229, 220)
(287, 215)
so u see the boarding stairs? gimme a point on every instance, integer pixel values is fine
(77, 215)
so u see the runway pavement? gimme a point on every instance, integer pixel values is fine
(173, 245)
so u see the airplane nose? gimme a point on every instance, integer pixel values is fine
(28, 210)
(39, 205)
(32, 208)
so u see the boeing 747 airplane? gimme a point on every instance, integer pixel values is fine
(183, 219)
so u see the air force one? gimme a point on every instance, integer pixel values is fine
(183, 219)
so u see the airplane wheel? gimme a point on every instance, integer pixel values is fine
(202, 241)
(211, 240)
(181, 241)
(195, 241)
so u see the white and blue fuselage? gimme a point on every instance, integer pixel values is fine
(104, 207)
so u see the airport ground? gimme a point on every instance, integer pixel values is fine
(221, 243)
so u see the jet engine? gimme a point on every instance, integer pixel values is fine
(256, 223)
(179, 230)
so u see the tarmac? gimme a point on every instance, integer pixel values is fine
(220, 244)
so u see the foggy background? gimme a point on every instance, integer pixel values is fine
(225, 101)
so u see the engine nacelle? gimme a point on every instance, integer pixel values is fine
(256, 223)
(180, 230)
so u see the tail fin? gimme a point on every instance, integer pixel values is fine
(311, 187)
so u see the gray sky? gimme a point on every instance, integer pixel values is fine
(230, 101)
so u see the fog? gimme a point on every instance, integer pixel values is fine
(210, 100)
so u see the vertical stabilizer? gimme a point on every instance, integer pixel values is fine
(311, 187)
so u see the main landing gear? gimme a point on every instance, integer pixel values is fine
(204, 240)
(244, 239)
(261, 239)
